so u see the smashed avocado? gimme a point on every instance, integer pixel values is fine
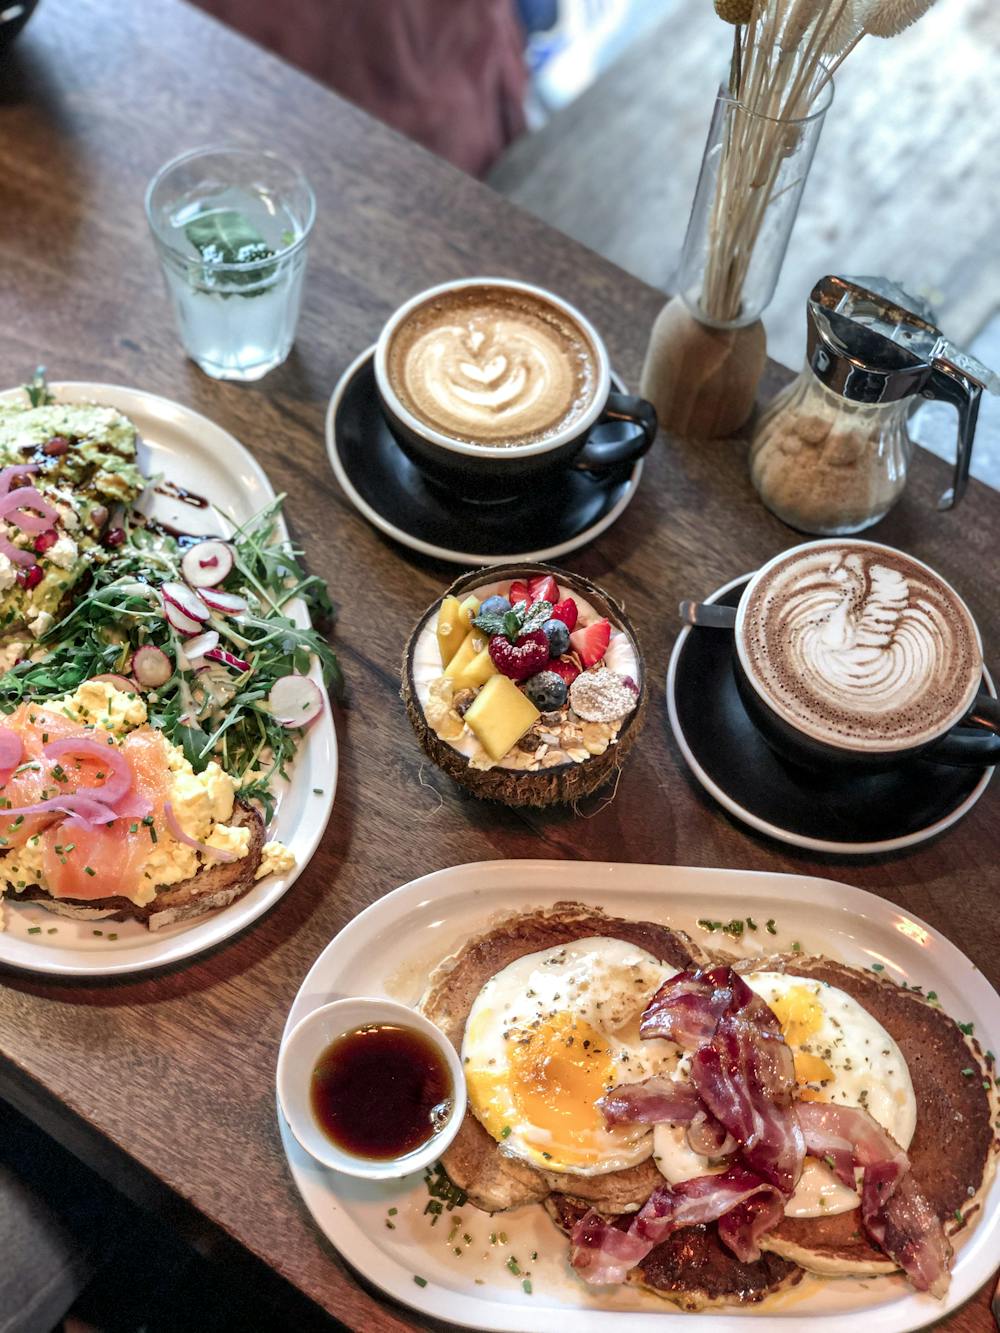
(86, 460)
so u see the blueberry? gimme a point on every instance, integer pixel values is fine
(558, 637)
(547, 691)
(495, 606)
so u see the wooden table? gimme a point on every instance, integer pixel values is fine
(168, 1078)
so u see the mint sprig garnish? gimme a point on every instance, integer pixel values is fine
(520, 619)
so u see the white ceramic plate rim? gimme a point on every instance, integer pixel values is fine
(315, 765)
(775, 830)
(443, 552)
(509, 885)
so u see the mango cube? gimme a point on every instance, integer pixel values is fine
(476, 673)
(468, 609)
(500, 716)
(472, 645)
(451, 631)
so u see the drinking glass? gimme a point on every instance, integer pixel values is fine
(231, 227)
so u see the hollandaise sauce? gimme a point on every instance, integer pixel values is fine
(381, 1091)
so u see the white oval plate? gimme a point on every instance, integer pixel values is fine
(194, 452)
(391, 948)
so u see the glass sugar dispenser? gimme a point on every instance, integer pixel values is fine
(831, 454)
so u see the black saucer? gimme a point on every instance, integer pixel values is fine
(386, 487)
(875, 812)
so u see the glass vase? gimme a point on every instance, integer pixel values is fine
(752, 176)
(708, 350)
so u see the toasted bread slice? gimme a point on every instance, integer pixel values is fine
(953, 1153)
(212, 888)
(692, 1268)
(494, 1180)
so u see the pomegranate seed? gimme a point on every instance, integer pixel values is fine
(44, 540)
(57, 445)
(114, 537)
(30, 578)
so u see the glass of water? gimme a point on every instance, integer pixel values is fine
(231, 227)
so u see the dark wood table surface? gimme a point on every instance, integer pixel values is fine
(168, 1078)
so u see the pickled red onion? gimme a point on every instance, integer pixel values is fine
(173, 824)
(8, 474)
(120, 779)
(15, 553)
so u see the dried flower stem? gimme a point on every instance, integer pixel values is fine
(782, 60)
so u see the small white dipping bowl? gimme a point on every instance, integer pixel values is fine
(297, 1059)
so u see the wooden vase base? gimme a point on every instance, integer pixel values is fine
(702, 380)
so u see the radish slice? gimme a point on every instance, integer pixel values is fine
(173, 824)
(226, 658)
(119, 682)
(295, 701)
(200, 644)
(152, 667)
(207, 563)
(185, 600)
(227, 602)
(179, 620)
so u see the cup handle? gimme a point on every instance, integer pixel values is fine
(624, 431)
(976, 745)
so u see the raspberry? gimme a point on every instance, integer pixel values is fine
(522, 659)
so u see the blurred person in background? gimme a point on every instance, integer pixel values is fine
(450, 74)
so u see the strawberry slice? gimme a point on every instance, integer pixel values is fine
(543, 588)
(519, 592)
(591, 643)
(567, 612)
(565, 667)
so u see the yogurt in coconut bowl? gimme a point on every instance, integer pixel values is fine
(525, 684)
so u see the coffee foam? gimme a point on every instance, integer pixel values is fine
(493, 366)
(861, 647)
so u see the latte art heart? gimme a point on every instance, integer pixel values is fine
(492, 366)
(859, 646)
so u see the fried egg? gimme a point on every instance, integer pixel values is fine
(843, 1055)
(552, 1033)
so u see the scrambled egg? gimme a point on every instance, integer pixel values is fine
(202, 803)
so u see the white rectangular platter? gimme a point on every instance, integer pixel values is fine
(390, 949)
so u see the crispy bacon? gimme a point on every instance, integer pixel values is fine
(655, 1101)
(894, 1211)
(687, 1008)
(666, 1101)
(602, 1254)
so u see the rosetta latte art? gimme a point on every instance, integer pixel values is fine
(861, 647)
(492, 371)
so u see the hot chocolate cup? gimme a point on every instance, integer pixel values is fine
(967, 733)
(610, 431)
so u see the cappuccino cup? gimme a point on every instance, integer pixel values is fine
(493, 387)
(853, 655)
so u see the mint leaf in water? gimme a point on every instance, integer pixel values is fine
(225, 236)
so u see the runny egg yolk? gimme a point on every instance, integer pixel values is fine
(557, 1072)
(800, 1016)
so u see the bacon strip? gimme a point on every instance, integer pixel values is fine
(654, 1101)
(894, 1212)
(601, 1253)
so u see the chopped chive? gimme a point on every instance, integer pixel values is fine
(514, 1266)
(34, 930)
(966, 1028)
(89, 870)
(771, 928)
(420, 1281)
(526, 1286)
(878, 967)
(98, 932)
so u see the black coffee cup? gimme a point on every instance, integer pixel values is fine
(614, 431)
(970, 737)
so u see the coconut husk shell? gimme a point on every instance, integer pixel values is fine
(564, 783)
